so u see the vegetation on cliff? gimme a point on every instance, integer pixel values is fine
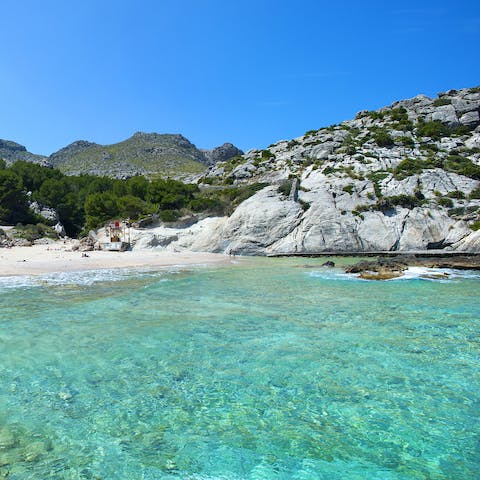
(86, 202)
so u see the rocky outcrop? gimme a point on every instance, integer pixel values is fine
(12, 152)
(394, 267)
(48, 213)
(222, 153)
(403, 178)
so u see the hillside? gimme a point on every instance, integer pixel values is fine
(11, 152)
(141, 154)
(405, 177)
(150, 154)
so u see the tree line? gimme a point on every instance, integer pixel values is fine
(86, 202)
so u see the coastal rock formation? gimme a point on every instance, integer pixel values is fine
(395, 266)
(405, 177)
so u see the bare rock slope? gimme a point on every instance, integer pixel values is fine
(403, 178)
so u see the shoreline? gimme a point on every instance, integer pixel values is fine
(59, 258)
(382, 253)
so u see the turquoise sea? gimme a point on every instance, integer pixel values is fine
(264, 369)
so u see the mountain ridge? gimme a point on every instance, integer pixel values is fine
(141, 154)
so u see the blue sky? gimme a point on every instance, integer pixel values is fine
(250, 72)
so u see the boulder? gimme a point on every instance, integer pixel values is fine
(258, 222)
(470, 118)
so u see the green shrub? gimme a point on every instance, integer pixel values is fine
(406, 141)
(100, 207)
(305, 205)
(474, 194)
(454, 212)
(328, 170)
(475, 226)
(433, 161)
(285, 187)
(168, 215)
(432, 147)
(409, 166)
(461, 130)
(201, 204)
(131, 207)
(459, 211)
(267, 154)
(388, 203)
(445, 202)
(435, 129)
(405, 201)
(375, 115)
(438, 102)
(350, 150)
(233, 162)
(383, 139)
(456, 194)
(348, 188)
(471, 151)
(13, 199)
(224, 201)
(207, 180)
(34, 232)
(462, 166)
(377, 176)
(398, 114)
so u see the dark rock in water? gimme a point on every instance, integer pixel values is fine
(380, 269)
(387, 268)
(328, 264)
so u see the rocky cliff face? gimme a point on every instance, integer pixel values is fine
(405, 177)
(11, 152)
(221, 154)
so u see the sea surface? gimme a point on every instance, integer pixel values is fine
(264, 369)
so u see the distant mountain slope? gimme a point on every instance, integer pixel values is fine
(141, 154)
(12, 151)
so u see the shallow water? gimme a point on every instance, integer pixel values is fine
(268, 369)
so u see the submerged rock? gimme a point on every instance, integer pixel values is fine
(34, 451)
(7, 439)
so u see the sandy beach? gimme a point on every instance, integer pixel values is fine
(39, 259)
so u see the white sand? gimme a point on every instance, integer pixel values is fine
(58, 257)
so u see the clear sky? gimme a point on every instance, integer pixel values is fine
(250, 72)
